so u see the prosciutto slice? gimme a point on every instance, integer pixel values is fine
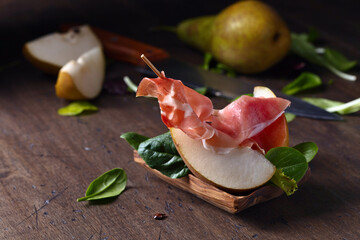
(220, 130)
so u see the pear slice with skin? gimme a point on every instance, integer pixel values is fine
(52, 51)
(83, 78)
(240, 170)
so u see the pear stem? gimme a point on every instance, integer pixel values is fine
(153, 68)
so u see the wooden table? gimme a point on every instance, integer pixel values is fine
(47, 161)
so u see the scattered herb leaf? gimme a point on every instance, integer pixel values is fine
(76, 108)
(207, 60)
(201, 90)
(290, 117)
(335, 106)
(338, 60)
(287, 184)
(289, 160)
(109, 184)
(305, 81)
(160, 153)
(308, 149)
(134, 139)
(301, 46)
(132, 87)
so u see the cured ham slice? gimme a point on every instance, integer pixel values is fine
(242, 123)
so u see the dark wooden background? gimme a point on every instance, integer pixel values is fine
(47, 161)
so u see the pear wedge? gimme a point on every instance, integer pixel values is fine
(50, 52)
(83, 78)
(240, 170)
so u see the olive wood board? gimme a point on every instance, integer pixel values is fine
(217, 197)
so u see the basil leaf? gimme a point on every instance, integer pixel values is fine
(132, 87)
(305, 49)
(109, 184)
(76, 108)
(335, 106)
(201, 90)
(134, 139)
(290, 117)
(308, 149)
(160, 153)
(305, 81)
(338, 60)
(289, 160)
(287, 184)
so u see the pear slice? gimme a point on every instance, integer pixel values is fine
(50, 52)
(260, 91)
(83, 78)
(240, 170)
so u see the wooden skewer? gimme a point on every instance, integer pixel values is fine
(153, 68)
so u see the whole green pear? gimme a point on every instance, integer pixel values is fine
(249, 36)
(197, 32)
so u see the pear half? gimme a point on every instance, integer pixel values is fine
(240, 170)
(83, 78)
(50, 52)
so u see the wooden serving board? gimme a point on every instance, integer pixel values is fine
(217, 197)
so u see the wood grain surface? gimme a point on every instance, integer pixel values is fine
(47, 161)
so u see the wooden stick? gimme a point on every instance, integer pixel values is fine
(147, 61)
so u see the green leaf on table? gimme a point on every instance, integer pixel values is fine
(160, 153)
(109, 184)
(76, 108)
(305, 81)
(308, 149)
(201, 90)
(134, 139)
(287, 184)
(335, 106)
(290, 117)
(301, 46)
(207, 61)
(132, 87)
(338, 60)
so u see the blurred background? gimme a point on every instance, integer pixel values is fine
(21, 21)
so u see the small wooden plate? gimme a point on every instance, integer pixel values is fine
(224, 200)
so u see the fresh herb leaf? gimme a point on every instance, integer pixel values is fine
(305, 49)
(289, 160)
(290, 117)
(109, 184)
(287, 184)
(207, 61)
(201, 90)
(160, 153)
(335, 106)
(305, 81)
(308, 149)
(132, 87)
(338, 60)
(76, 108)
(134, 139)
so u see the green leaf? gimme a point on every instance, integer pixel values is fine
(201, 90)
(132, 87)
(312, 35)
(289, 160)
(160, 153)
(338, 60)
(207, 61)
(76, 108)
(335, 106)
(308, 149)
(301, 46)
(284, 182)
(134, 139)
(305, 81)
(109, 184)
(290, 117)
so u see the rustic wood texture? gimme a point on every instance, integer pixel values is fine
(47, 161)
(217, 197)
